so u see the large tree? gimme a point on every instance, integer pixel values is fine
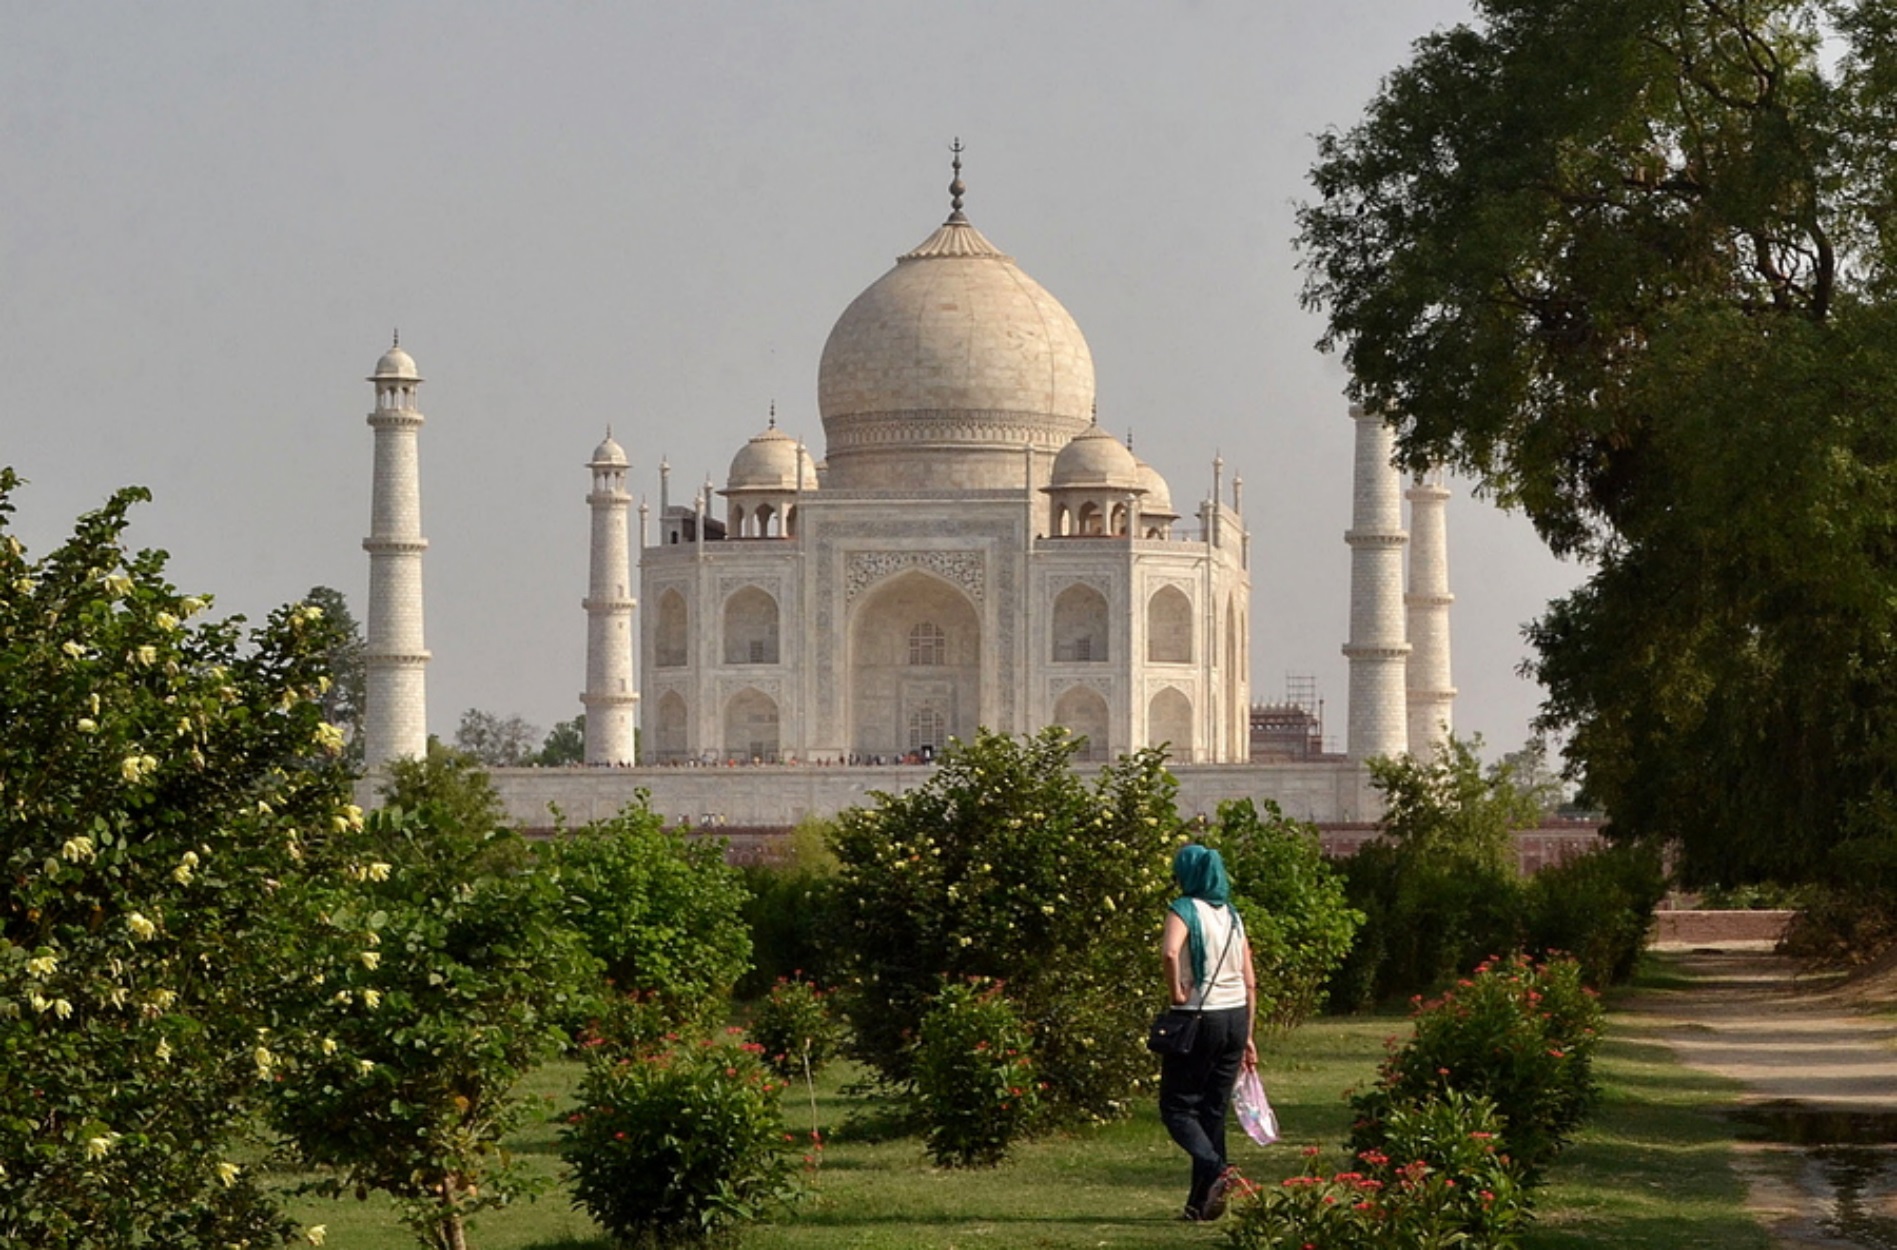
(1629, 262)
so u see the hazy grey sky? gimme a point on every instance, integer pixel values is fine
(649, 215)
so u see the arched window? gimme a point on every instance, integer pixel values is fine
(928, 645)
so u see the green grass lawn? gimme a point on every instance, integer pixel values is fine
(1649, 1170)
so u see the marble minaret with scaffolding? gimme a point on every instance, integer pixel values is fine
(611, 698)
(395, 704)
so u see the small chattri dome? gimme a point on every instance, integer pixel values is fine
(1095, 459)
(609, 451)
(770, 461)
(1157, 501)
(395, 364)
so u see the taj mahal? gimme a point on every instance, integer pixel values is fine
(966, 548)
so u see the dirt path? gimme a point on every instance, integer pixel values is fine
(1800, 1045)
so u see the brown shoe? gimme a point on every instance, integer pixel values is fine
(1214, 1205)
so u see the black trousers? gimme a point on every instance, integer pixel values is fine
(1196, 1089)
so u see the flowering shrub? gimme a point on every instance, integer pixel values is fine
(1443, 1182)
(974, 1082)
(167, 788)
(794, 1026)
(442, 973)
(1520, 1034)
(1007, 864)
(680, 1143)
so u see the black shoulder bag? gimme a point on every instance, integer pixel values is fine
(1176, 1029)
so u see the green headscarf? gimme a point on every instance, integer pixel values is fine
(1200, 874)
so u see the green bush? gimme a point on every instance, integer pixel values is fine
(1006, 865)
(1519, 1034)
(1442, 1182)
(1596, 907)
(679, 1144)
(975, 1086)
(794, 1026)
(789, 912)
(660, 909)
(1297, 918)
(1424, 921)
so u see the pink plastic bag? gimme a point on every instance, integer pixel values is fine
(1255, 1115)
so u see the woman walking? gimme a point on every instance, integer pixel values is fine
(1208, 969)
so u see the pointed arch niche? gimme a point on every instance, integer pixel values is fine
(1169, 723)
(1080, 626)
(1083, 713)
(750, 627)
(915, 665)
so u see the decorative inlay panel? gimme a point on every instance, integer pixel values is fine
(865, 568)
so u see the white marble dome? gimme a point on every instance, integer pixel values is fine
(609, 452)
(396, 363)
(769, 462)
(1095, 459)
(946, 366)
(1157, 501)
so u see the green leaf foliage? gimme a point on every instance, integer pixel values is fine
(168, 793)
(1630, 263)
(1006, 865)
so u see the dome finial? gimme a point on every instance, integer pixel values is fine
(1093, 412)
(397, 337)
(773, 414)
(956, 187)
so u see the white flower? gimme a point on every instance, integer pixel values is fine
(87, 725)
(135, 768)
(191, 605)
(265, 1061)
(182, 874)
(167, 621)
(329, 738)
(378, 871)
(43, 965)
(365, 1066)
(24, 585)
(39, 1002)
(72, 648)
(119, 584)
(370, 959)
(100, 1146)
(329, 1045)
(315, 1233)
(162, 999)
(372, 998)
(140, 926)
(164, 1051)
(78, 850)
(227, 1174)
(62, 1009)
(341, 998)
(146, 654)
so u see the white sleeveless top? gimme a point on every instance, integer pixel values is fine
(1227, 988)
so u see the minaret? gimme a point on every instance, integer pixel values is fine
(610, 699)
(1377, 649)
(395, 703)
(1431, 697)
